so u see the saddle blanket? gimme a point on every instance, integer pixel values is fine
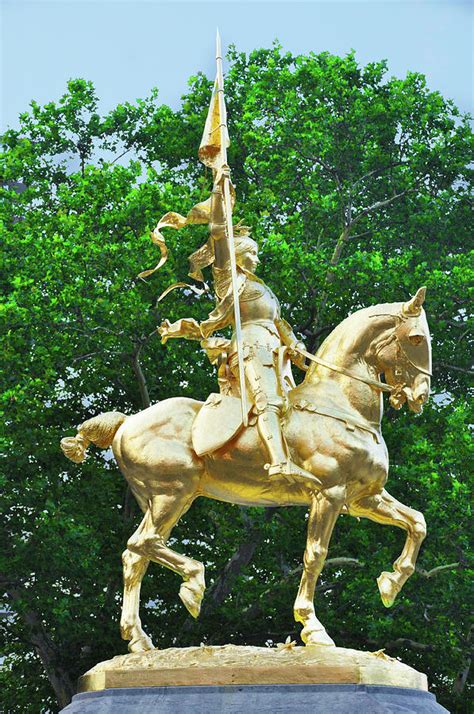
(217, 422)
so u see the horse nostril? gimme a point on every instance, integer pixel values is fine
(422, 397)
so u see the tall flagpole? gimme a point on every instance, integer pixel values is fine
(230, 231)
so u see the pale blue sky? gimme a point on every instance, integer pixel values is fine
(125, 47)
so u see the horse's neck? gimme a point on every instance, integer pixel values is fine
(348, 347)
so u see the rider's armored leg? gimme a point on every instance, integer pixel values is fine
(269, 428)
(262, 382)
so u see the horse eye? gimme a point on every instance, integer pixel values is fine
(416, 339)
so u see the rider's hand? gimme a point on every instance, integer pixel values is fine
(296, 356)
(163, 330)
(222, 175)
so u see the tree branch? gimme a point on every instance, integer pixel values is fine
(129, 503)
(317, 333)
(349, 222)
(329, 277)
(461, 679)
(80, 358)
(337, 562)
(141, 379)
(317, 160)
(120, 156)
(361, 235)
(137, 368)
(329, 563)
(310, 286)
(239, 559)
(412, 644)
(380, 171)
(436, 571)
(255, 609)
(439, 365)
(46, 650)
(377, 205)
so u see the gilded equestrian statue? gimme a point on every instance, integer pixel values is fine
(332, 429)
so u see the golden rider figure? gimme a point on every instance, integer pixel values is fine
(268, 340)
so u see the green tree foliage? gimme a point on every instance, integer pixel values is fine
(356, 186)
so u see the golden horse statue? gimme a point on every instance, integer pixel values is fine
(332, 427)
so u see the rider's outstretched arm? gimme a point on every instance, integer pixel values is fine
(186, 327)
(221, 317)
(217, 224)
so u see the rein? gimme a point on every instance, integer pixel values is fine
(382, 386)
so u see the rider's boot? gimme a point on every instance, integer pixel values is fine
(280, 466)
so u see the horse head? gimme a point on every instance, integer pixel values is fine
(403, 352)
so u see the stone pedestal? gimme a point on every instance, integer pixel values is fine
(264, 699)
(235, 680)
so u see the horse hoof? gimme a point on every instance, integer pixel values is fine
(191, 598)
(140, 644)
(320, 638)
(388, 588)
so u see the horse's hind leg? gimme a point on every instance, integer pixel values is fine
(385, 509)
(134, 568)
(322, 518)
(150, 542)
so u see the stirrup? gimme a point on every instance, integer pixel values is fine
(291, 472)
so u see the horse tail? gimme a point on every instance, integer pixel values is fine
(99, 430)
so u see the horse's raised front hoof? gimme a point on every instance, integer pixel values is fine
(388, 588)
(191, 596)
(140, 644)
(318, 638)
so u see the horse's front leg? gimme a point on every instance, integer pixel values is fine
(385, 509)
(322, 517)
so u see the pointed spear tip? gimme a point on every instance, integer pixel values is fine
(218, 43)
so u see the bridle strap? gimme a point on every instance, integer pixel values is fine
(382, 386)
(403, 318)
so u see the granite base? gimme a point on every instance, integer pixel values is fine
(264, 699)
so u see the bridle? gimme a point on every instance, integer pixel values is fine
(407, 359)
(394, 336)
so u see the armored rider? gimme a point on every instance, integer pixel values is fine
(268, 340)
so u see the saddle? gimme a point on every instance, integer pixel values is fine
(218, 421)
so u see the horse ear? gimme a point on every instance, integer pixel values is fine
(412, 308)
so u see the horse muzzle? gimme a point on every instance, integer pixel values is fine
(418, 395)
